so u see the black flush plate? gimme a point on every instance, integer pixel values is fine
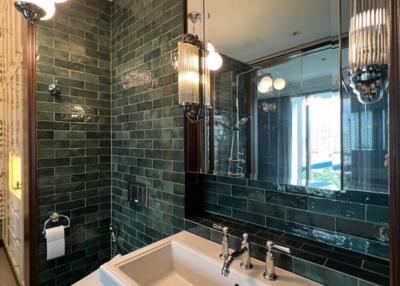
(137, 195)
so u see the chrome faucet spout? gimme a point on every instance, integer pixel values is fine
(229, 259)
(243, 251)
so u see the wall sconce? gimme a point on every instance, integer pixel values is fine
(279, 84)
(193, 77)
(188, 73)
(267, 84)
(368, 50)
(191, 60)
(37, 10)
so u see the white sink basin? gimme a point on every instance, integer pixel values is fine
(185, 259)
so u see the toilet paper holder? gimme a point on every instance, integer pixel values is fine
(54, 218)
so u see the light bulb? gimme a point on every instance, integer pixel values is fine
(50, 11)
(48, 6)
(214, 59)
(279, 84)
(210, 48)
(265, 84)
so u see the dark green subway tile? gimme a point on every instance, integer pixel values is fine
(380, 199)
(248, 217)
(378, 249)
(218, 209)
(363, 229)
(198, 229)
(358, 272)
(248, 193)
(289, 200)
(337, 208)
(266, 209)
(377, 214)
(366, 283)
(232, 202)
(312, 219)
(322, 274)
(219, 188)
(232, 181)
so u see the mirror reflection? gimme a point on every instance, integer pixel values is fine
(285, 108)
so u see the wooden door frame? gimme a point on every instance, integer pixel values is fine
(31, 227)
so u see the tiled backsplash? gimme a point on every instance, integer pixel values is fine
(320, 262)
(353, 220)
(73, 136)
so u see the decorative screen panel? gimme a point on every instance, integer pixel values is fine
(13, 132)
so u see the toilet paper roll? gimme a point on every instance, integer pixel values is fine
(55, 237)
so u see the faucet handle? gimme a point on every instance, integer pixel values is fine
(245, 238)
(269, 260)
(225, 244)
(271, 245)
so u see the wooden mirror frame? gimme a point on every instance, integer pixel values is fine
(394, 111)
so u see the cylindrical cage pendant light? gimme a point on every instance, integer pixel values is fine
(188, 74)
(368, 49)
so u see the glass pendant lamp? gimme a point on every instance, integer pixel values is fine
(188, 74)
(368, 49)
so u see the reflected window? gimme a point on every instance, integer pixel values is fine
(299, 140)
(305, 146)
(309, 133)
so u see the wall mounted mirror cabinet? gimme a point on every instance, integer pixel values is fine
(293, 100)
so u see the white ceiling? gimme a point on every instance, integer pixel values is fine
(247, 30)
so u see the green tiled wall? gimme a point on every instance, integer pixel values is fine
(349, 219)
(147, 123)
(73, 136)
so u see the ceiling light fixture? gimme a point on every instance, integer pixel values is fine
(37, 10)
(265, 84)
(49, 7)
(268, 84)
(279, 84)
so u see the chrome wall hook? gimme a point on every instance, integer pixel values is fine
(54, 89)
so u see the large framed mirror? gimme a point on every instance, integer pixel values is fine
(284, 108)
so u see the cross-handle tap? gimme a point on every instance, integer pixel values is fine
(269, 260)
(225, 244)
